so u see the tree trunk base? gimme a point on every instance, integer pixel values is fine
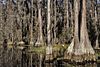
(80, 58)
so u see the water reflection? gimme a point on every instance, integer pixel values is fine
(69, 65)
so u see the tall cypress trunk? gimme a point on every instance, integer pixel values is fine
(49, 47)
(55, 22)
(82, 50)
(65, 18)
(75, 41)
(48, 24)
(40, 22)
(31, 24)
(84, 38)
(72, 23)
(96, 28)
(67, 13)
(84, 32)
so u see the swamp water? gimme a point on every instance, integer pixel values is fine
(68, 65)
(15, 58)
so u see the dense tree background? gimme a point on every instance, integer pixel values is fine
(27, 20)
(48, 23)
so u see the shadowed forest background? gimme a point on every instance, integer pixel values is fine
(48, 30)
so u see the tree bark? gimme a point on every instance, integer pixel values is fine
(75, 44)
(49, 47)
(82, 50)
(84, 33)
(48, 24)
(55, 22)
(67, 6)
(40, 23)
(96, 28)
(84, 38)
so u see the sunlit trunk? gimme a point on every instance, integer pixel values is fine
(80, 50)
(49, 47)
(48, 24)
(74, 46)
(84, 38)
(96, 28)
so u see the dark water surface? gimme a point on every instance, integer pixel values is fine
(15, 58)
(68, 65)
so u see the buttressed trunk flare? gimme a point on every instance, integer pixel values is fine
(80, 50)
(85, 42)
